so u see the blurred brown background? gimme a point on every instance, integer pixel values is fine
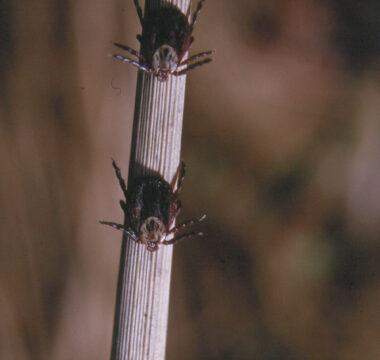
(281, 139)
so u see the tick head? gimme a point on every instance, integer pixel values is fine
(152, 233)
(165, 61)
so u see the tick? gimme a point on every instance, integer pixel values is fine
(165, 40)
(151, 208)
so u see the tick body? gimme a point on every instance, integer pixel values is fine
(151, 208)
(166, 38)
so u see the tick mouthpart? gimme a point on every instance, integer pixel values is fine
(150, 246)
(162, 76)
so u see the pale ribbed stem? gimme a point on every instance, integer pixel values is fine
(142, 303)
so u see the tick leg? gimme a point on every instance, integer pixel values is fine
(139, 11)
(185, 49)
(199, 7)
(181, 237)
(187, 223)
(179, 207)
(133, 62)
(195, 57)
(123, 205)
(127, 48)
(180, 175)
(120, 227)
(192, 66)
(121, 180)
(188, 12)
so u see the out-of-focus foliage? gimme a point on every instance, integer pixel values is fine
(281, 140)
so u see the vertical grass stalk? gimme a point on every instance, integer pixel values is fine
(142, 302)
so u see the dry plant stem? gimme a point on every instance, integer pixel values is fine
(142, 302)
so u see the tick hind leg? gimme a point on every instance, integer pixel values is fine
(139, 11)
(120, 178)
(197, 11)
(178, 179)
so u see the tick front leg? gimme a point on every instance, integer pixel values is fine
(181, 237)
(139, 11)
(186, 223)
(121, 228)
(133, 62)
(196, 57)
(192, 66)
(130, 50)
